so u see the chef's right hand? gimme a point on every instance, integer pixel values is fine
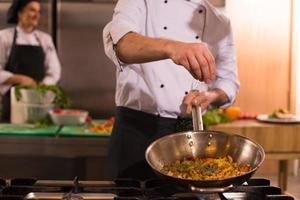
(195, 57)
(23, 80)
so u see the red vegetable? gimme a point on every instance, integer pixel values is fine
(58, 111)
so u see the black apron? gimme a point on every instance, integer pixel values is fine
(133, 132)
(26, 60)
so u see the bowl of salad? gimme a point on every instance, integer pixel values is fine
(32, 96)
(41, 94)
(68, 116)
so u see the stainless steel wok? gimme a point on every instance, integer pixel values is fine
(203, 144)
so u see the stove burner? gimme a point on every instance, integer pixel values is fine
(71, 196)
(130, 189)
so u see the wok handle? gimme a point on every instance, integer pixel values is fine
(197, 118)
(211, 190)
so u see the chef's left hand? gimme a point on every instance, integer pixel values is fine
(215, 96)
(202, 99)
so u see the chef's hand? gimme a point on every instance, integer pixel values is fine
(18, 79)
(195, 57)
(204, 99)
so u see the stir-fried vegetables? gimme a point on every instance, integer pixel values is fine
(205, 169)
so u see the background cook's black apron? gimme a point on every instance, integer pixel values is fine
(133, 132)
(26, 60)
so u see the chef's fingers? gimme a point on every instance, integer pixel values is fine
(185, 63)
(195, 67)
(201, 99)
(211, 64)
(204, 68)
(187, 101)
(188, 67)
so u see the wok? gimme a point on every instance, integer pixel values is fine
(204, 144)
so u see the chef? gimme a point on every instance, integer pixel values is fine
(27, 55)
(170, 55)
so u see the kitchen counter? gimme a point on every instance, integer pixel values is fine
(280, 141)
(35, 151)
(63, 147)
(7, 129)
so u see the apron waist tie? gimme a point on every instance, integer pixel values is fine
(181, 123)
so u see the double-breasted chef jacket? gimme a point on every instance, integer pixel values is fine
(149, 95)
(159, 87)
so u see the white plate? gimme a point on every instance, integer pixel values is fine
(265, 118)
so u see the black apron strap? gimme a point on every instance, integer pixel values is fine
(5, 115)
(133, 132)
(9, 60)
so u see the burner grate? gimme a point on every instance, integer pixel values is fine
(131, 189)
(119, 191)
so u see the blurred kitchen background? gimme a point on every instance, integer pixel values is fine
(267, 39)
(265, 34)
(88, 77)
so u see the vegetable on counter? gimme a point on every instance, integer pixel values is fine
(214, 116)
(220, 115)
(104, 127)
(247, 115)
(60, 99)
(38, 100)
(232, 112)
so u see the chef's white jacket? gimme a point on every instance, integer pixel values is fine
(36, 38)
(159, 87)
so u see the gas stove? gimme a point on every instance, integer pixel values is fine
(130, 189)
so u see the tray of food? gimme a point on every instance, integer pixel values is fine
(95, 128)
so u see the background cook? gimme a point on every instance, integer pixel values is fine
(27, 55)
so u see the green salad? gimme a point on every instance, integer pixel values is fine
(36, 115)
(60, 99)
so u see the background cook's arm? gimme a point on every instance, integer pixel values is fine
(52, 64)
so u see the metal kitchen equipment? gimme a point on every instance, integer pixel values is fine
(130, 189)
(203, 144)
